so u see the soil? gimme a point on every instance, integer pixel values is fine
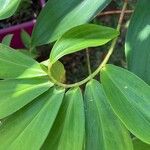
(28, 10)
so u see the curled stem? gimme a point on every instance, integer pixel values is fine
(110, 51)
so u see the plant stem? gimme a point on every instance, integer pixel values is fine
(110, 51)
(88, 61)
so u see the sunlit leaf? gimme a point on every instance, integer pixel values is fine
(8, 8)
(29, 127)
(81, 37)
(58, 16)
(14, 64)
(68, 130)
(104, 131)
(16, 93)
(138, 41)
(129, 96)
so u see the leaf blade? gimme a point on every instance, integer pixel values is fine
(15, 93)
(138, 42)
(68, 130)
(14, 64)
(81, 37)
(55, 24)
(19, 131)
(8, 8)
(103, 128)
(129, 97)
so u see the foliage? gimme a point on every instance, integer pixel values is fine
(38, 111)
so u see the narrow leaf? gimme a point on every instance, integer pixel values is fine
(59, 16)
(14, 64)
(26, 39)
(16, 93)
(138, 41)
(129, 96)
(103, 129)
(8, 8)
(29, 127)
(81, 37)
(7, 39)
(68, 130)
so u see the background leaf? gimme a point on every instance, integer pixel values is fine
(103, 129)
(129, 96)
(16, 93)
(8, 8)
(80, 37)
(68, 130)
(59, 16)
(29, 127)
(138, 41)
(7, 39)
(14, 64)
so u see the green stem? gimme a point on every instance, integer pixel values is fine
(91, 76)
(88, 61)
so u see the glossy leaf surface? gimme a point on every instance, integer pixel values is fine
(81, 37)
(104, 131)
(138, 41)
(29, 127)
(139, 145)
(16, 93)
(59, 16)
(129, 96)
(8, 8)
(14, 64)
(68, 130)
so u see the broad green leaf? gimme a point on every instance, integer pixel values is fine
(81, 37)
(104, 131)
(14, 64)
(58, 71)
(138, 41)
(16, 93)
(129, 96)
(139, 145)
(7, 39)
(59, 16)
(68, 130)
(28, 128)
(8, 8)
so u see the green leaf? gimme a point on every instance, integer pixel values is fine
(16, 93)
(26, 39)
(59, 16)
(8, 8)
(58, 71)
(81, 37)
(68, 130)
(138, 41)
(14, 64)
(7, 39)
(103, 129)
(129, 96)
(139, 145)
(29, 127)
